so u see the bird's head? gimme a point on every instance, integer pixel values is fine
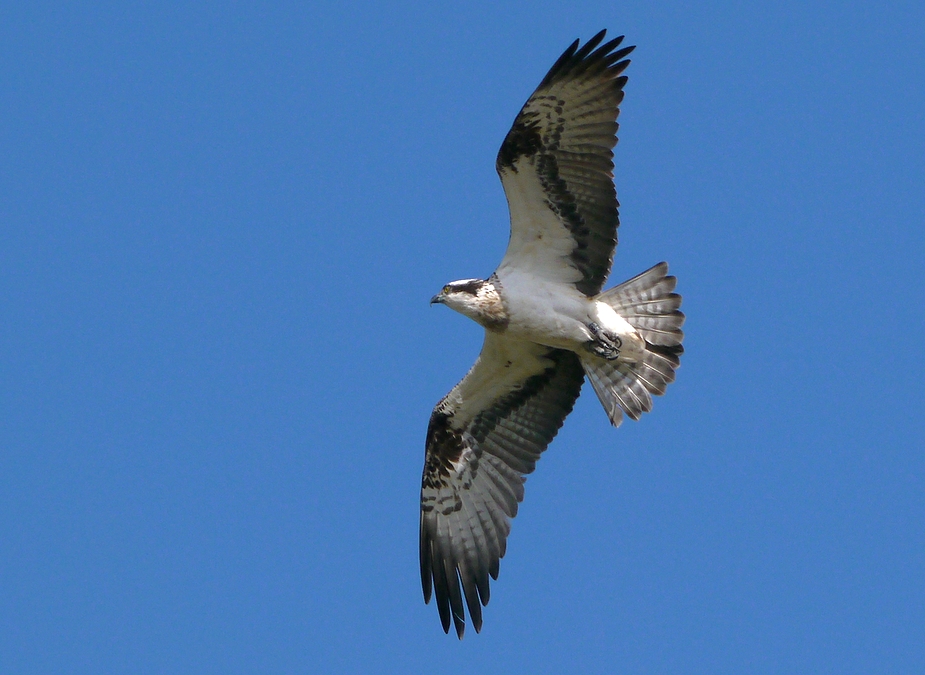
(459, 294)
(476, 298)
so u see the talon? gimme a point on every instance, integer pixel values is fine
(605, 344)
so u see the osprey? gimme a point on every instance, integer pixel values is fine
(547, 326)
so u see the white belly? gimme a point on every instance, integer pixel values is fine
(548, 313)
(557, 314)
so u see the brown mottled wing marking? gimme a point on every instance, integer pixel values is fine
(483, 438)
(556, 166)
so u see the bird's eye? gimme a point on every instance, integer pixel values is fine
(446, 289)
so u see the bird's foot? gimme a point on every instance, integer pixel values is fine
(605, 344)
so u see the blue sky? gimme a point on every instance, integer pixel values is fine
(221, 224)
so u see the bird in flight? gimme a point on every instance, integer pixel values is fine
(547, 326)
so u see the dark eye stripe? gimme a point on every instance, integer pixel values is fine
(470, 287)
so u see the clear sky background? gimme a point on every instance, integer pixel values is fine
(221, 224)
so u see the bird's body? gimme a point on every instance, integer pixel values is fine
(547, 326)
(545, 312)
(555, 315)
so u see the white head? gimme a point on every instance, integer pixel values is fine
(476, 298)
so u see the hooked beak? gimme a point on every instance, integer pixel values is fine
(437, 298)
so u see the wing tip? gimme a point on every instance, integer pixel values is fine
(590, 55)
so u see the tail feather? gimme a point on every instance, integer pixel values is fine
(649, 304)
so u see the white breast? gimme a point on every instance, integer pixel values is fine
(546, 312)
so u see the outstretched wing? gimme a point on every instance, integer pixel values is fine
(483, 438)
(556, 166)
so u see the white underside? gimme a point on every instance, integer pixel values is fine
(557, 314)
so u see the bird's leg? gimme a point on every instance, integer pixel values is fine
(605, 344)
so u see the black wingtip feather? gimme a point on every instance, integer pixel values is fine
(589, 57)
(472, 601)
(561, 61)
(455, 597)
(426, 557)
(608, 47)
(589, 46)
(617, 57)
(441, 590)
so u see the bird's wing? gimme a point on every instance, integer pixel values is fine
(483, 438)
(556, 166)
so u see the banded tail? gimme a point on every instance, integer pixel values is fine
(650, 305)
